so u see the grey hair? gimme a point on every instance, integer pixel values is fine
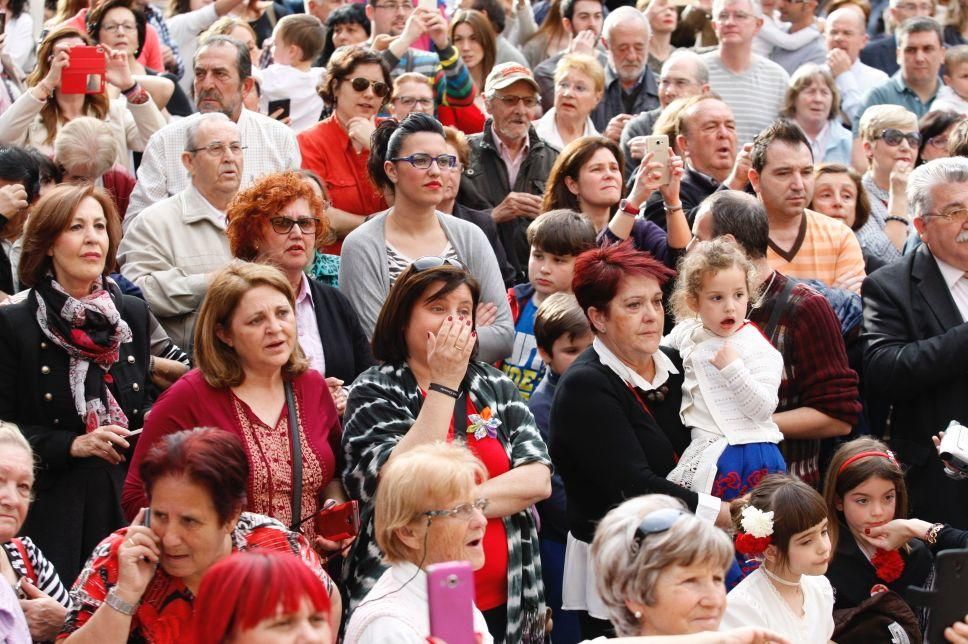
(926, 177)
(917, 25)
(624, 14)
(701, 70)
(191, 132)
(756, 8)
(86, 142)
(624, 574)
(243, 60)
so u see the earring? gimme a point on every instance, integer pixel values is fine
(638, 614)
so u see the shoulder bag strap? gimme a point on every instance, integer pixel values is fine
(782, 303)
(28, 564)
(296, 451)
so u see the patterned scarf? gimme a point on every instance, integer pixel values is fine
(90, 330)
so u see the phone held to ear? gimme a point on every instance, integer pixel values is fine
(450, 593)
(338, 522)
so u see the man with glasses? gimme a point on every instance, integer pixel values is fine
(509, 162)
(845, 36)
(223, 76)
(800, 15)
(172, 247)
(751, 85)
(916, 337)
(882, 53)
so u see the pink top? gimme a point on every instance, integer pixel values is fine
(308, 328)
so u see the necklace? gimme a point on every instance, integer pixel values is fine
(778, 579)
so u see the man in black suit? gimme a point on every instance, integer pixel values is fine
(916, 337)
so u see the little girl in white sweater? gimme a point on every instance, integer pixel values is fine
(732, 375)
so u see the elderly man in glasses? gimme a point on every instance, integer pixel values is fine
(172, 247)
(916, 340)
(509, 162)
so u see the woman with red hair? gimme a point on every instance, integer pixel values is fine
(262, 596)
(617, 430)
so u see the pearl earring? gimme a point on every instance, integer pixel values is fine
(638, 614)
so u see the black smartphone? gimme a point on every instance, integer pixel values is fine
(275, 106)
(3, 22)
(147, 521)
(947, 600)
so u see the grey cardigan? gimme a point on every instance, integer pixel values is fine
(365, 280)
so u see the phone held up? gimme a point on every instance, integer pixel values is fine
(84, 73)
(338, 522)
(658, 145)
(450, 593)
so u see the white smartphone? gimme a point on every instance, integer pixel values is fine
(658, 145)
(430, 5)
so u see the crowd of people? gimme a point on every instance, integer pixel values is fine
(654, 315)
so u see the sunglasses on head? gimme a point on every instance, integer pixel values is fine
(428, 262)
(893, 137)
(655, 522)
(360, 84)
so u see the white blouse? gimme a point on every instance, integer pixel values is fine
(755, 602)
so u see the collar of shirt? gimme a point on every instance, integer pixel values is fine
(820, 143)
(663, 367)
(903, 88)
(304, 293)
(506, 153)
(950, 274)
(206, 211)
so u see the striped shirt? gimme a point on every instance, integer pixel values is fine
(46, 580)
(755, 96)
(825, 250)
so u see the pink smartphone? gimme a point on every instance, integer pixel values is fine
(450, 591)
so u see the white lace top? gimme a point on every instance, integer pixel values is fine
(755, 602)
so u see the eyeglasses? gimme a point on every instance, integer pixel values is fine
(423, 161)
(360, 84)
(655, 522)
(410, 101)
(927, 7)
(463, 511)
(429, 261)
(511, 100)
(394, 6)
(958, 215)
(939, 142)
(675, 82)
(735, 16)
(575, 88)
(893, 137)
(218, 149)
(123, 26)
(283, 225)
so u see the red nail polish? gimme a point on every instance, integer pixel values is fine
(867, 530)
(473, 334)
(450, 317)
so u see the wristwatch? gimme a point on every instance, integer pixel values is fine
(627, 208)
(118, 604)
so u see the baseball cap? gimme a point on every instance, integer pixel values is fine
(507, 74)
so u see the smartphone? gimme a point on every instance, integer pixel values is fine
(84, 73)
(338, 522)
(450, 592)
(3, 22)
(147, 520)
(658, 145)
(284, 104)
(429, 5)
(947, 600)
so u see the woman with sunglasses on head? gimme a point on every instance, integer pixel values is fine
(890, 139)
(409, 161)
(430, 389)
(338, 148)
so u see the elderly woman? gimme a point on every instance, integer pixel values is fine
(579, 86)
(36, 117)
(76, 359)
(338, 149)
(253, 380)
(429, 509)
(279, 220)
(629, 390)
(428, 390)
(86, 151)
(838, 193)
(890, 138)
(935, 128)
(411, 158)
(141, 581)
(44, 599)
(812, 101)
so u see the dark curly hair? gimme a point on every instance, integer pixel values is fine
(96, 16)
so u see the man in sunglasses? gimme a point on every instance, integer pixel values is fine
(916, 340)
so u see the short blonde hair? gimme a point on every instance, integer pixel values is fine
(582, 63)
(877, 118)
(629, 573)
(956, 55)
(86, 142)
(802, 79)
(422, 479)
(218, 362)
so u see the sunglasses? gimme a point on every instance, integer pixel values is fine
(894, 137)
(655, 522)
(428, 262)
(360, 84)
(283, 225)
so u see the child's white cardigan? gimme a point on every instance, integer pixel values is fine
(741, 398)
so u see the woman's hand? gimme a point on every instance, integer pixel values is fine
(360, 130)
(486, 314)
(116, 69)
(449, 351)
(58, 61)
(957, 633)
(899, 177)
(648, 177)
(328, 548)
(894, 534)
(45, 617)
(338, 394)
(104, 442)
(670, 191)
(138, 559)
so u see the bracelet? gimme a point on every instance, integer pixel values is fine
(151, 366)
(931, 536)
(441, 389)
(130, 89)
(903, 220)
(118, 604)
(670, 209)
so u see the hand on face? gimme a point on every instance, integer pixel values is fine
(449, 351)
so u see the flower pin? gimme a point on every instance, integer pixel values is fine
(483, 424)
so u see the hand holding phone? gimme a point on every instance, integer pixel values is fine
(338, 522)
(84, 73)
(658, 145)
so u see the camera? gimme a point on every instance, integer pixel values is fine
(954, 450)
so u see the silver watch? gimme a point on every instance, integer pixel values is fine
(118, 604)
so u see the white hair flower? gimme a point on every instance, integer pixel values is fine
(756, 522)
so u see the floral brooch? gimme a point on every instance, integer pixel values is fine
(483, 424)
(757, 528)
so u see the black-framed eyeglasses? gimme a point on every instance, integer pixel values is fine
(423, 161)
(893, 137)
(655, 522)
(429, 261)
(958, 215)
(283, 225)
(360, 84)
(463, 511)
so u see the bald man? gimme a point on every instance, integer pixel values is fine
(846, 37)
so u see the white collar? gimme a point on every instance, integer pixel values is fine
(663, 367)
(950, 274)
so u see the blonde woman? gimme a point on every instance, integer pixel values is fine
(579, 86)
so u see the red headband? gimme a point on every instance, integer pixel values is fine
(856, 457)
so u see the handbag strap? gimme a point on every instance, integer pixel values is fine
(296, 451)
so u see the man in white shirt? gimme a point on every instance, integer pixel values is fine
(846, 37)
(800, 15)
(223, 75)
(173, 246)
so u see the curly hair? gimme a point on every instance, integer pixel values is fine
(709, 258)
(344, 62)
(248, 214)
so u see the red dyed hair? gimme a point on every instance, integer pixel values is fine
(247, 587)
(211, 458)
(249, 213)
(599, 273)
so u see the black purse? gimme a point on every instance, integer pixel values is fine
(296, 453)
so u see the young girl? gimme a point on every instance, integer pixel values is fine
(783, 523)
(732, 374)
(864, 489)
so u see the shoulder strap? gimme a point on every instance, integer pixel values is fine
(28, 564)
(782, 304)
(296, 450)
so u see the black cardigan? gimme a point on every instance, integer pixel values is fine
(607, 448)
(345, 346)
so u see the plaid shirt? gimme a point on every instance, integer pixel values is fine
(157, 20)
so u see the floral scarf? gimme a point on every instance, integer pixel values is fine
(91, 331)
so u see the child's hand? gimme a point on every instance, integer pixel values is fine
(724, 356)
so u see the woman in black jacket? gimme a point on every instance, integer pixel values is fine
(75, 362)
